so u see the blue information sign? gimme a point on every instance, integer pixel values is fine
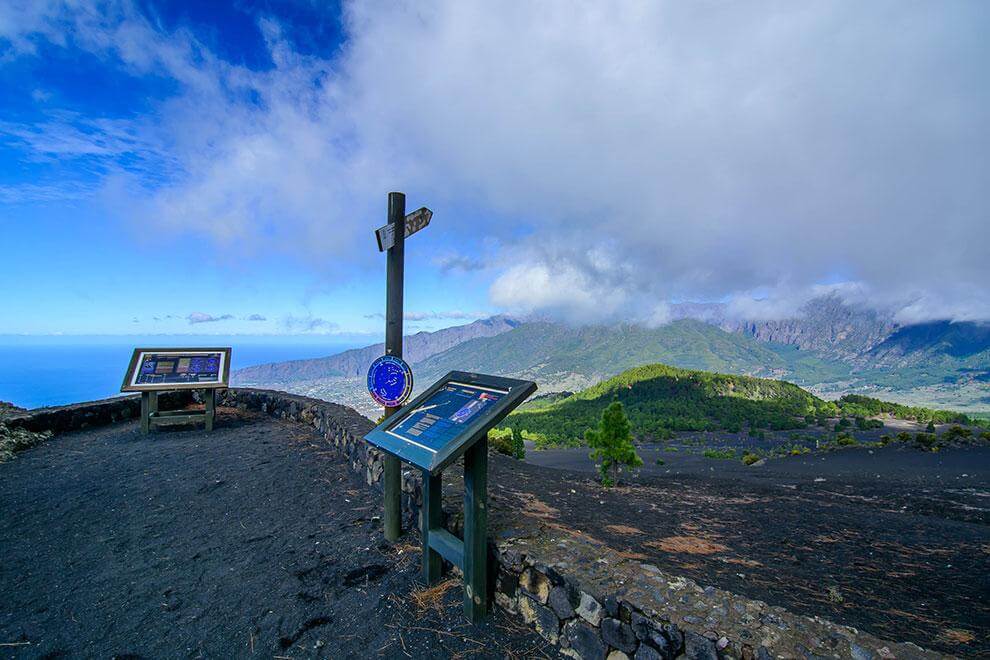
(390, 381)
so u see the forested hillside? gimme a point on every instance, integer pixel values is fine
(660, 399)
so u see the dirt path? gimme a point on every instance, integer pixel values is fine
(251, 541)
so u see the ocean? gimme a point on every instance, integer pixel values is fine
(53, 371)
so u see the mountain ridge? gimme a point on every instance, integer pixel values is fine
(354, 363)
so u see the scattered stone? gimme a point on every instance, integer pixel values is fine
(647, 652)
(561, 603)
(590, 609)
(697, 647)
(541, 618)
(617, 655)
(618, 635)
(536, 584)
(583, 641)
(652, 634)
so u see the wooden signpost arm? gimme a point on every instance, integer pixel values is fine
(392, 474)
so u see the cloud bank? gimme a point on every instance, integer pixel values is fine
(631, 154)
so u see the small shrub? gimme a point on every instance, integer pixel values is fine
(16, 439)
(904, 436)
(926, 441)
(956, 433)
(846, 440)
(749, 458)
(660, 461)
(723, 454)
(508, 441)
(884, 440)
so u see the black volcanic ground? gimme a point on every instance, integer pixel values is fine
(250, 541)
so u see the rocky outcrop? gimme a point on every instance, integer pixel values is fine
(826, 325)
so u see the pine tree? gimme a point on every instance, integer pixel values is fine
(612, 444)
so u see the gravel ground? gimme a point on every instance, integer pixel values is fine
(894, 541)
(250, 541)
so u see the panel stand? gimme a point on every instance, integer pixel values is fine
(151, 416)
(471, 554)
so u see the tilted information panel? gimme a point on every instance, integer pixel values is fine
(444, 421)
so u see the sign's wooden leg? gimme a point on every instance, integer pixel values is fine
(145, 412)
(153, 403)
(476, 531)
(432, 518)
(210, 403)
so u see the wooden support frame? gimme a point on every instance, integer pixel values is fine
(151, 416)
(471, 554)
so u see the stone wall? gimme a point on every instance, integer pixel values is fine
(76, 416)
(581, 596)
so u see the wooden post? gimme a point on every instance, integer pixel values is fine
(476, 531)
(392, 474)
(432, 519)
(146, 412)
(210, 405)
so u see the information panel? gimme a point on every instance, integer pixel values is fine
(177, 368)
(439, 420)
(443, 422)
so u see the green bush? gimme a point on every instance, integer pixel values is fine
(508, 441)
(723, 454)
(846, 440)
(749, 458)
(957, 433)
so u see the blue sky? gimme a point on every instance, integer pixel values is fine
(83, 266)
(179, 167)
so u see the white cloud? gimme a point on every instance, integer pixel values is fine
(202, 317)
(307, 324)
(632, 154)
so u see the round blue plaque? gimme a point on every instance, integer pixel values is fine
(390, 381)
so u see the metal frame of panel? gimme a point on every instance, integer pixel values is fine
(224, 381)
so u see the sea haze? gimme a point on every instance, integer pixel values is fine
(52, 370)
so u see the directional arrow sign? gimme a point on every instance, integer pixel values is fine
(414, 222)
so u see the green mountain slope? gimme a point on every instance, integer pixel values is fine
(659, 399)
(553, 354)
